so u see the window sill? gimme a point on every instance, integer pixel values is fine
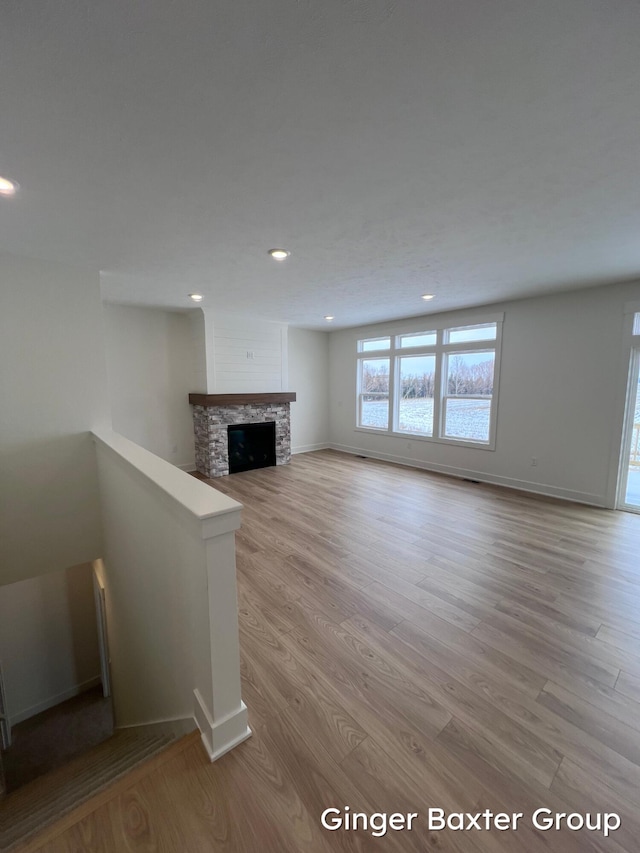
(410, 436)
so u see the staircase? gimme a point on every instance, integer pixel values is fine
(47, 798)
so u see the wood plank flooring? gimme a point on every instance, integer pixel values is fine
(410, 641)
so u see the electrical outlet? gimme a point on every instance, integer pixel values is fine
(534, 461)
(174, 448)
(251, 354)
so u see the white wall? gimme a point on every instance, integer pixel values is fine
(198, 352)
(156, 357)
(562, 374)
(283, 359)
(48, 640)
(155, 602)
(309, 378)
(52, 393)
(245, 355)
(170, 592)
(151, 360)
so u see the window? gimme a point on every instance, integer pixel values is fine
(374, 393)
(465, 334)
(468, 394)
(374, 344)
(417, 384)
(439, 385)
(418, 339)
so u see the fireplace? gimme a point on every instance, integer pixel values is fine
(251, 446)
(214, 413)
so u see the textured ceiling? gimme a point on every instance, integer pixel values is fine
(475, 149)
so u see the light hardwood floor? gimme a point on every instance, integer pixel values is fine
(410, 641)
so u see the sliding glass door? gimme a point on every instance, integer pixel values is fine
(630, 480)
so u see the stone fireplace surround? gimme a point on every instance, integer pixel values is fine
(212, 414)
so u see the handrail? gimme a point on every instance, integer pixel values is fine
(196, 497)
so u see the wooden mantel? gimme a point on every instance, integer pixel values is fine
(209, 400)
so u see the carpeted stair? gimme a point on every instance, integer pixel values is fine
(47, 798)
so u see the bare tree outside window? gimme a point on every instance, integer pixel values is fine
(443, 383)
(374, 393)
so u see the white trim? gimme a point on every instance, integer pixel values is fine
(189, 494)
(468, 474)
(629, 508)
(448, 320)
(308, 448)
(216, 512)
(284, 358)
(617, 455)
(414, 436)
(187, 466)
(103, 639)
(627, 430)
(440, 351)
(76, 690)
(223, 735)
(163, 721)
(5, 724)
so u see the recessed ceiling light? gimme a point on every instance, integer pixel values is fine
(329, 317)
(197, 297)
(8, 187)
(279, 254)
(427, 296)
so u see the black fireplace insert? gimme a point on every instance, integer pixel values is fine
(251, 446)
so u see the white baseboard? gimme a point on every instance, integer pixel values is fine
(467, 474)
(161, 722)
(308, 448)
(187, 466)
(219, 737)
(76, 690)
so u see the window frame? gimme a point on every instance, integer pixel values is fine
(398, 383)
(362, 350)
(631, 345)
(362, 357)
(440, 350)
